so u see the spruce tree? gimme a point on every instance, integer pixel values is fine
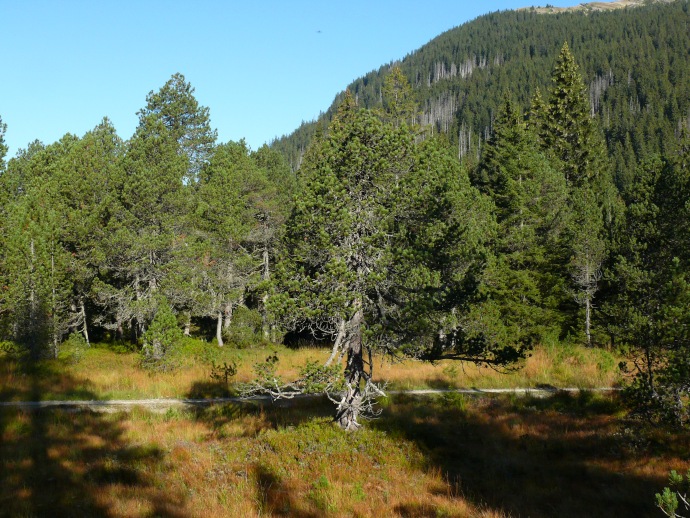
(530, 199)
(568, 130)
(571, 136)
(399, 105)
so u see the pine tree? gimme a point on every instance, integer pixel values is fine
(161, 338)
(399, 105)
(36, 285)
(652, 303)
(179, 111)
(84, 199)
(272, 204)
(146, 218)
(570, 135)
(383, 252)
(225, 216)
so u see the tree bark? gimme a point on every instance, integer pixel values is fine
(351, 403)
(84, 328)
(188, 323)
(227, 316)
(264, 300)
(338, 343)
(219, 329)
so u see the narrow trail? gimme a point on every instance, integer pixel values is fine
(162, 405)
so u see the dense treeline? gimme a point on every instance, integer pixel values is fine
(100, 234)
(634, 62)
(383, 240)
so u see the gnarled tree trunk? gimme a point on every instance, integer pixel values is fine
(351, 403)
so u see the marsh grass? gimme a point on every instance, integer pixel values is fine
(108, 374)
(452, 455)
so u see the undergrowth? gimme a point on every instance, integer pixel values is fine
(201, 369)
(449, 455)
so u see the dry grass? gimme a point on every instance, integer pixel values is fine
(446, 456)
(449, 456)
(104, 374)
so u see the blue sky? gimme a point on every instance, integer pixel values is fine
(262, 67)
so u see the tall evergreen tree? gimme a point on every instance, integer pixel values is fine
(146, 219)
(653, 296)
(36, 285)
(530, 198)
(399, 104)
(382, 252)
(225, 218)
(588, 251)
(272, 202)
(569, 130)
(188, 122)
(569, 133)
(85, 197)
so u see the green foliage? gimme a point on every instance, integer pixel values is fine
(667, 500)
(399, 103)
(568, 131)
(177, 108)
(381, 241)
(3, 146)
(265, 372)
(161, 339)
(73, 349)
(530, 195)
(245, 329)
(221, 373)
(654, 291)
(315, 378)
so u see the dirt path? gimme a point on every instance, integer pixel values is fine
(162, 405)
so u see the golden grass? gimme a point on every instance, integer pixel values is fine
(104, 374)
(447, 456)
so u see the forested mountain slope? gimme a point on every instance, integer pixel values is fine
(635, 61)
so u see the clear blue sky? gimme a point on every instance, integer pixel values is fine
(262, 67)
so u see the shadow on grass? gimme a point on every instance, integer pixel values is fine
(209, 389)
(275, 498)
(56, 462)
(561, 456)
(22, 379)
(273, 414)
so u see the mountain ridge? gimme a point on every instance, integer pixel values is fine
(633, 60)
(594, 6)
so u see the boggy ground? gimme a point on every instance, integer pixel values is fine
(103, 373)
(444, 456)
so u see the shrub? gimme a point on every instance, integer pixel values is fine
(246, 328)
(73, 349)
(161, 339)
(667, 500)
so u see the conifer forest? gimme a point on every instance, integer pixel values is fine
(520, 180)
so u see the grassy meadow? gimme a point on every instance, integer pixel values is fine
(102, 373)
(449, 455)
